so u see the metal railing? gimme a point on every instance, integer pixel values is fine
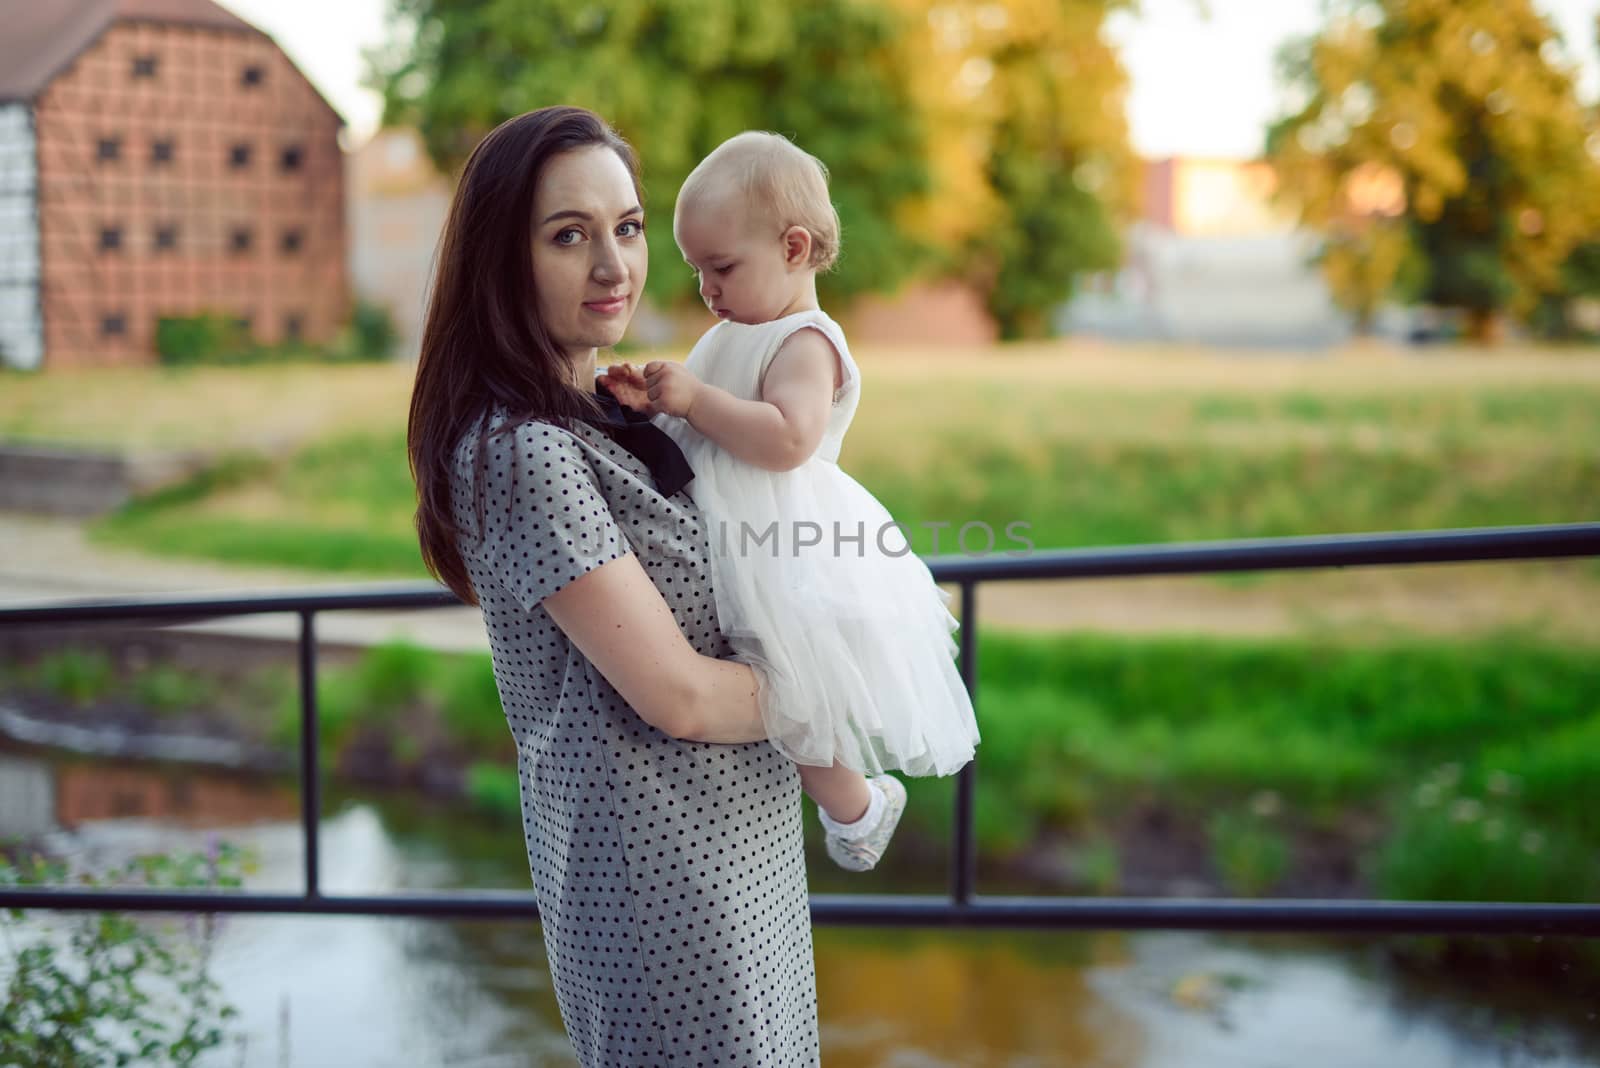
(962, 906)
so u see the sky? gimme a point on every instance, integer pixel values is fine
(1201, 71)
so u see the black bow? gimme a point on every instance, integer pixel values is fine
(653, 446)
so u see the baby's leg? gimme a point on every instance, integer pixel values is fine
(840, 792)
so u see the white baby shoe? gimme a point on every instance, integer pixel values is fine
(859, 846)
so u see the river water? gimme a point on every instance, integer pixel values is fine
(365, 993)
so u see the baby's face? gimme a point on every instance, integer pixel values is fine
(740, 263)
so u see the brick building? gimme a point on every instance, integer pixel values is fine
(159, 158)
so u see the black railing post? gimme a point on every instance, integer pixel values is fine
(310, 772)
(964, 857)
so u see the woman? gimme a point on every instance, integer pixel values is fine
(663, 832)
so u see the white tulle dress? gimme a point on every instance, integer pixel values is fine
(816, 585)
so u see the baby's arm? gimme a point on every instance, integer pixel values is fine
(781, 430)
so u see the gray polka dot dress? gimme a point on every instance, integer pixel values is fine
(670, 875)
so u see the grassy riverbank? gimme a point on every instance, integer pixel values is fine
(1084, 445)
(1424, 769)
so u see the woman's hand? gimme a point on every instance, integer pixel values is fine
(626, 383)
(672, 387)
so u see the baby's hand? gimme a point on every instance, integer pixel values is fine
(627, 384)
(672, 387)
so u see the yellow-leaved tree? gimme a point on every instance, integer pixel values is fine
(1470, 107)
(1031, 171)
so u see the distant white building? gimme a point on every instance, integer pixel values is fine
(1212, 260)
(398, 204)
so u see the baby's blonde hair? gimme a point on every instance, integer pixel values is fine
(774, 176)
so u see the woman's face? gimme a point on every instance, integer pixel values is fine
(589, 255)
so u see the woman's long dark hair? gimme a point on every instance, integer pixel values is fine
(483, 346)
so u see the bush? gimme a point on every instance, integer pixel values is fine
(185, 341)
(393, 676)
(214, 338)
(81, 676)
(377, 691)
(1098, 866)
(107, 988)
(371, 333)
(470, 705)
(495, 789)
(166, 688)
(1250, 854)
(1448, 843)
(1552, 774)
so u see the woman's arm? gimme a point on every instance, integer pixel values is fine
(778, 432)
(619, 621)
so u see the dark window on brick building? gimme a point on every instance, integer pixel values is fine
(239, 156)
(294, 328)
(166, 237)
(144, 66)
(113, 325)
(110, 148)
(161, 152)
(244, 324)
(110, 238)
(293, 157)
(292, 242)
(239, 240)
(252, 76)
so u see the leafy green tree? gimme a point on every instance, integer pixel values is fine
(1364, 263)
(1580, 274)
(1580, 281)
(1029, 147)
(1469, 105)
(677, 77)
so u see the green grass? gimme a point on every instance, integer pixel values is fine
(1076, 728)
(1074, 493)
(1553, 774)
(214, 409)
(1448, 841)
(343, 505)
(346, 504)
(1183, 447)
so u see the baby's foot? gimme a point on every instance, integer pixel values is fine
(859, 846)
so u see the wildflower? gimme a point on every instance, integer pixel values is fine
(1466, 810)
(1428, 795)
(1266, 804)
(1500, 784)
(1448, 774)
(1532, 841)
(1492, 830)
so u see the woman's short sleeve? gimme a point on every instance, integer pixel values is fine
(546, 521)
